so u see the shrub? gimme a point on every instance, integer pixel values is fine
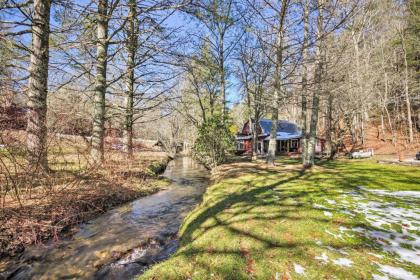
(214, 141)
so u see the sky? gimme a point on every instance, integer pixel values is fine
(178, 20)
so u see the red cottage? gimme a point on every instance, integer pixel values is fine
(289, 137)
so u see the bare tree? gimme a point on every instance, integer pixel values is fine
(219, 17)
(272, 145)
(98, 130)
(305, 57)
(253, 71)
(132, 39)
(406, 86)
(38, 86)
(320, 59)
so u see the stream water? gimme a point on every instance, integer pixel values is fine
(123, 242)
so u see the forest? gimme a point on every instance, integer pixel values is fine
(97, 97)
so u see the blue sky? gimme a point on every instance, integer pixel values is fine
(177, 20)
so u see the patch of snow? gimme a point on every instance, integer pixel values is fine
(397, 272)
(328, 214)
(353, 193)
(376, 255)
(339, 236)
(396, 226)
(392, 226)
(319, 206)
(386, 214)
(341, 228)
(343, 262)
(341, 251)
(299, 269)
(331, 201)
(379, 277)
(318, 242)
(409, 194)
(359, 229)
(347, 212)
(323, 257)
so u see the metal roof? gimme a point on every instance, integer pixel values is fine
(285, 129)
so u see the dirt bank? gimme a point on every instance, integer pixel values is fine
(64, 199)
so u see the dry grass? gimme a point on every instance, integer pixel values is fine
(37, 207)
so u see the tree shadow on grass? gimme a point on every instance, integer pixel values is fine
(232, 210)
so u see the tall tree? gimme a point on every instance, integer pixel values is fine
(98, 131)
(201, 88)
(279, 49)
(38, 86)
(319, 75)
(305, 54)
(406, 85)
(254, 70)
(132, 39)
(219, 17)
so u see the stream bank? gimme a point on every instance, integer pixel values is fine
(63, 199)
(124, 241)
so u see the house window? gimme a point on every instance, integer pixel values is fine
(240, 145)
(294, 145)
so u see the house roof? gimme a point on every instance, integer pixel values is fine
(285, 129)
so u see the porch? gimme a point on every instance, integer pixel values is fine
(283, 146)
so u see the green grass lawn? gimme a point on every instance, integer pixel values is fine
(259, 222)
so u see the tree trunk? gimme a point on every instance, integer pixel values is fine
(304, 113)
(98, 131)
(38, 86)
(360, 94)
(222, 74)
(393, 134)
(272, 144)
(382, 132)
(257, 117)
(362, 130)
(407, 94)
(254, 140)
(129, 98)
(311, 145)
(252, 127)
(329, 144)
